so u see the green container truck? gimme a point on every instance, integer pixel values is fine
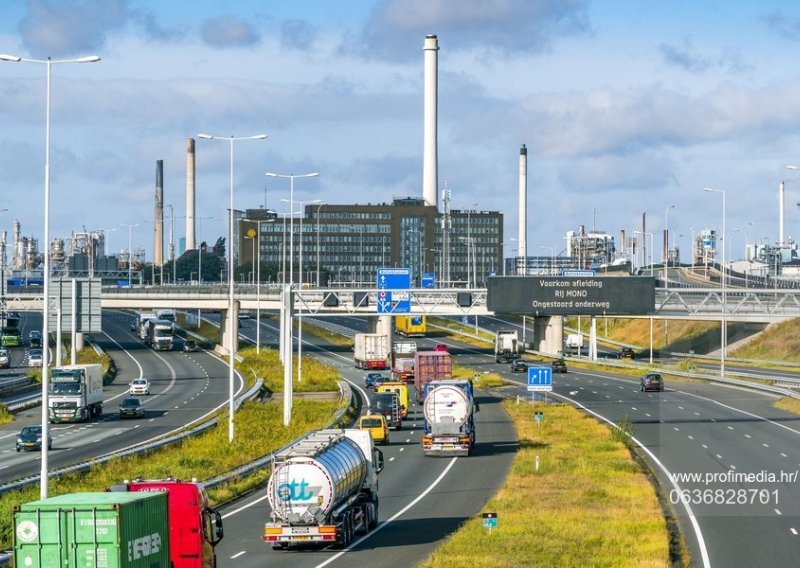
(99, 530)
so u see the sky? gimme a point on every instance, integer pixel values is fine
(626, 108)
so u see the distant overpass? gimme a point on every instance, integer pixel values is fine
(746, 305)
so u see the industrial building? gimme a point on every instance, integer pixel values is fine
(345, 245)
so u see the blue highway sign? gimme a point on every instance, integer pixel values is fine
(540, 379)
(393, 290)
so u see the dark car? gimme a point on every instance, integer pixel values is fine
(559, 366)
(370, 378)
(519, 366)
(506, 356)
(30, 438)
(189, 345)
(35, 338)
(131, 407)
(652, 382)
(626, 353)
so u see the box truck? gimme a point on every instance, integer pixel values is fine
(75, 393)
(371, 351)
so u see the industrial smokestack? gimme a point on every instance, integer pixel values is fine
(158, 226)
(522, 230)
(190, 193)
(430, 174)
(781, 199)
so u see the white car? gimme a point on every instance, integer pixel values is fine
(139, 386)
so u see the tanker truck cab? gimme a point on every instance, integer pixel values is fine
(194, 527)
(324, 490)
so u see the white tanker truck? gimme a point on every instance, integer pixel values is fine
(324, 489)
(449, 426)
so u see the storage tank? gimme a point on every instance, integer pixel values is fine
(447, 404)
(309, 481)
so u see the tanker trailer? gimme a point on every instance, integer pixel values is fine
(449, 426)
(324, 489)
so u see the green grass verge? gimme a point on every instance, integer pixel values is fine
(589, 503)
(259, 431)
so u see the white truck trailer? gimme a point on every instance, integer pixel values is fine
(506, 345)
(324, 489)
(75, 393)
(371, 351)
(160, 334)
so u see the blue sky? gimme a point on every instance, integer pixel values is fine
(625, 107)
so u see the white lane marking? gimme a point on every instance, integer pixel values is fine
(393, 517)
(676, 428)
(692, 519)
(696, 413)
(748, 436)
(680, 407)
(765, 445)
(794, 531)
(706, 447)
(719, 457)
(647, 414)
(778, 512)
(401, 449)
(732, 466)
(730, 427)
(784, 455)
(238, 554)
(634, 408)
(391, 458)
(691, 437)
(713, 420)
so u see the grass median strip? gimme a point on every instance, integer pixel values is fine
(587, 504)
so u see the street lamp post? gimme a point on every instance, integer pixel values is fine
(724, 338)
(232, 325)
(300, 313)
(666, 244)
(291, 219)
(320, 204)
(130, 250)
(43, 480)
(645, 234)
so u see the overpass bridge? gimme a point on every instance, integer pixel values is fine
(761, 305)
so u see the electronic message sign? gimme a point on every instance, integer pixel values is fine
(571, 296)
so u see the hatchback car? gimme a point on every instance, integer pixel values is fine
(377, 426)
(35, 357)
(139, 386)
(559, 366)
(189, 345)
(30, 438)
(131, 407)
(626, 353)
(652, 382)
(35, 338)
(519, 366)
(5, 359)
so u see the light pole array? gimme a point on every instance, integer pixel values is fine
(232, 325)
(724, 338)
(319, 204)
(666, 244)
(130, 250)
(46, 264)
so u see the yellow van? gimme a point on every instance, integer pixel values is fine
(377, 426)
(402, 393)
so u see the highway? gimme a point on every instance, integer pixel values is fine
(714, 449)
(185, 388)
(422, 500)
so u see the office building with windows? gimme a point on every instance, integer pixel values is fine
(345, 245)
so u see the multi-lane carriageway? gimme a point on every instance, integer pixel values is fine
(701, 431)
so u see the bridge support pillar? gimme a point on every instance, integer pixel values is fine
(548, 334)
(229, 325)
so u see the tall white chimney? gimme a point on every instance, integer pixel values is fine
(190, 193)
(522, 230)
(430, 174)
(781, 199)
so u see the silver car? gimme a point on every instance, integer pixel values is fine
(35, 357)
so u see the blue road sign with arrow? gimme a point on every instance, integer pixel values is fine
(394, 296)
(540, 379)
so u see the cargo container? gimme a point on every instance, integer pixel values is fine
(324, 489)
(108, 530)
(431, 366)
(194, 527)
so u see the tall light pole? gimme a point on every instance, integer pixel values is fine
(666, 244)
(172, 240)
(300, 313)
(291, 219)
(43, 481)
(130, 250)
(232, 324)
(724, 338)
(320, 204)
